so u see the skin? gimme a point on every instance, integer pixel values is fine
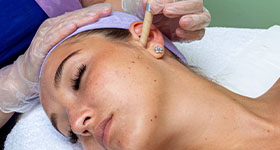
(4, 118)
(116, 4)
(51, 31)
(156, 102)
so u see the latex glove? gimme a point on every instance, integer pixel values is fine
(179, 20)
(20, 81)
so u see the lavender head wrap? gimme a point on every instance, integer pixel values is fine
(115, 20)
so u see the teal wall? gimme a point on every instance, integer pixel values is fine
(244, 13)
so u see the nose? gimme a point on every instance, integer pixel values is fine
(81, 122)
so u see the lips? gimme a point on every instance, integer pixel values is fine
(102, 131)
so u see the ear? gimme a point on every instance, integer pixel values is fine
(155, 41)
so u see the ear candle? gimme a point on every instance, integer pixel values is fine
(147, 24)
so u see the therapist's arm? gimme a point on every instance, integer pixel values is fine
(116, 4)
(20, 80)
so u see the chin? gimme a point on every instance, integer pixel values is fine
(133, 138)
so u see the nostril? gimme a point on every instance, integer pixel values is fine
(87, 118)
(85, 132)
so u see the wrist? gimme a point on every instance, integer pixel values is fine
(25, 77)
(17, 94)
(25, 74)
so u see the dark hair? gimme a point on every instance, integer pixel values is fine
(113, 34)
(122, 35)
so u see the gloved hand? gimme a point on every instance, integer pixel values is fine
(179, 20)
(19, 81)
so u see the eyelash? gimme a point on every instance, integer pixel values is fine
(73, 137)
(77, 79)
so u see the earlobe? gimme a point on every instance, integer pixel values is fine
(158, 51)
(155, 43)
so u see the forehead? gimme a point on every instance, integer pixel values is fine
(61, 52)
(68, 47)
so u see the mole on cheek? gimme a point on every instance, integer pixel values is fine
(155, 117)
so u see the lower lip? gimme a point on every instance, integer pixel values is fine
(106, 133)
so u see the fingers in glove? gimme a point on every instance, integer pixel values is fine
(68, 23)
(190, 35)
(79, 17)
(180, 8)
(102, 10)
(195, 21)
(156, 7)
(173, 9)
(63, 29)
(78, 20)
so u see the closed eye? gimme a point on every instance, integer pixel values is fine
(77, 77)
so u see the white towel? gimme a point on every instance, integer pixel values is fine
(233, 57)
(35, 132)
(246, 61)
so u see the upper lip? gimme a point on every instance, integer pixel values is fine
(100, 129)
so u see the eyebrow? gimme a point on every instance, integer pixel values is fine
(54, 121)
(59, 70)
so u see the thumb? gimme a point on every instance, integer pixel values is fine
(102, 9)
(157, 7)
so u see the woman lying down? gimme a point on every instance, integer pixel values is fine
(100, 87)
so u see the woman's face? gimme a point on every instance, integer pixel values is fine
(106, 92)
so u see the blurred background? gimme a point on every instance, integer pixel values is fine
(244, 13)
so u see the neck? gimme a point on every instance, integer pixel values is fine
(203, 115)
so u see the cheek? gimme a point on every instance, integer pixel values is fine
(129, 91)
(115, 85)
(129, 86)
